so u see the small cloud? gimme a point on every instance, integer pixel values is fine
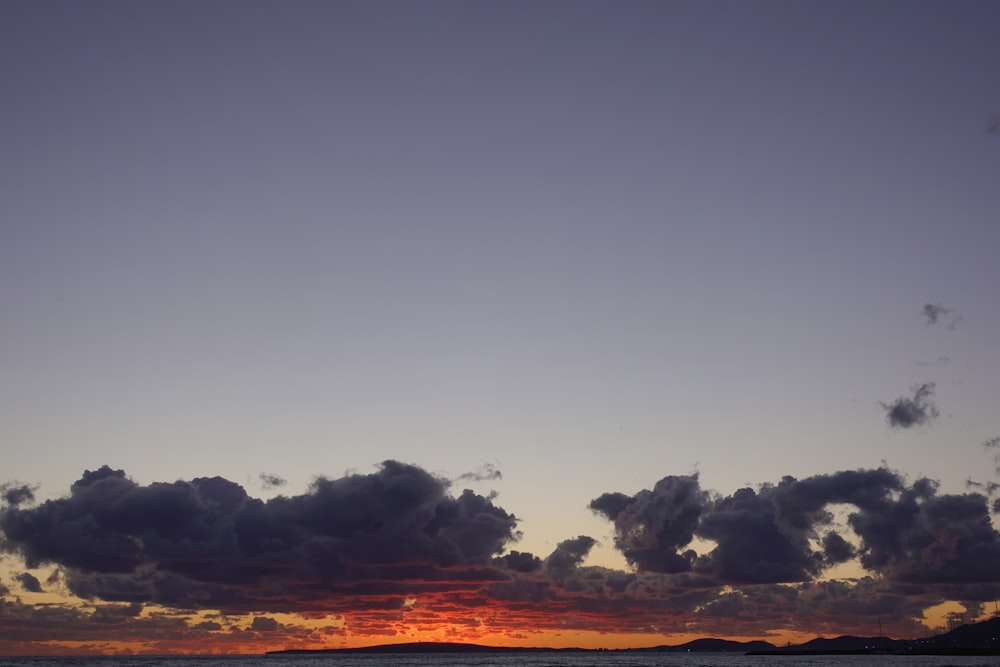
(993, 124)
(836, 549)
(15, 494)
(934, 311)
(916, 410)
(114, 613)
(485, 472)
(210, 626)
(30, 582)
(520, 561)
(271, 481)
(264, 624)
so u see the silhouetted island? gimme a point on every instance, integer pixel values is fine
(972, 639)
(701, 645)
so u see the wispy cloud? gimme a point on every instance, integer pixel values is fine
(933, 312)
(485, 472)
(993, 444)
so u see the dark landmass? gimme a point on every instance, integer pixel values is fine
(698, 645)
(707, 645)
(431, 647)
(981, 638)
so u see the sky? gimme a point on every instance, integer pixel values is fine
(554, 323)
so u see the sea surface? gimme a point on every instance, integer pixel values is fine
(596, 659)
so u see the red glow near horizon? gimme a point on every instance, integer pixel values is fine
(162, 631)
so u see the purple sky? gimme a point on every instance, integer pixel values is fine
(592, 243)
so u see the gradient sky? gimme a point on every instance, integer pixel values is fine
(587, 245)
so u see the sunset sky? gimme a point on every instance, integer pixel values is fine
(568, 323)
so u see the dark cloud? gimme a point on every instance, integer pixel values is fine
(271, 481)
(771, 535)
(116, 613)
(916, 410)
(30, 582)
(395, 551)
(924, 538)
(993, 124)
(29, 629)
(208, 625)
(836, 549)
(652, 526)
(205, 542)
(520, 562)
(264, 624)
(611, 505)
(801, 504)
(568, 555)
(751, 546)
(16, 494)
(781, 533)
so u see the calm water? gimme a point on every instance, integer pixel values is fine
(609, 659)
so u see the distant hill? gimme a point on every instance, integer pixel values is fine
(981, 638)
(985, 634)
(429, 647)
(698, 645)
(709, 644)
(850, 643)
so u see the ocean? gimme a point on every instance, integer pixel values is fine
(596, 659)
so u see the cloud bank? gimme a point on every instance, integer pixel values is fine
(206, 544)
(396, 552)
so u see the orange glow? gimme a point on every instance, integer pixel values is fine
(236, 635)
(55, 624)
